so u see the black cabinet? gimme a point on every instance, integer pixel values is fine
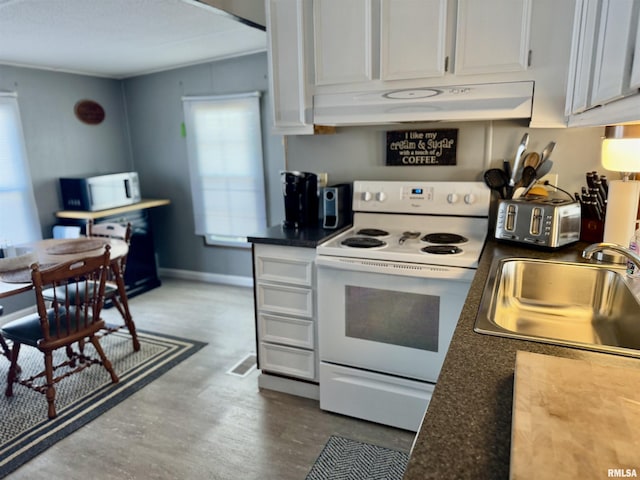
(141, 273)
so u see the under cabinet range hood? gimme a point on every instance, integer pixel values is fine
(487, 101)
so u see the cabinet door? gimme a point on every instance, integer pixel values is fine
(613, 52)
(584, 39)
(287, 65)
(342, 34)
(492, 36)
(412, 38)
(634, 82)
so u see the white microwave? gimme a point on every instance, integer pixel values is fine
(100, 192)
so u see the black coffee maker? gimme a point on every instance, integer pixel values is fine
(300, 191)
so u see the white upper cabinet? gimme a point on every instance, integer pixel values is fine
(492, 36)
(634, 81)
(605, 65)
(612, 67)
(287, 25)
(584, 40)
(342, 39)
(417, 26)
(359, 41)
(321, 48)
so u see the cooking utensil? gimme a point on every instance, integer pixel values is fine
(532, 160)
(496, 179)
(544, 168)
(506, 166)
(408, 235)
(546, 151)
(526, 182)
(515, 169)
(529, 179)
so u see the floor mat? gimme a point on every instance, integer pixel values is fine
(345, 459)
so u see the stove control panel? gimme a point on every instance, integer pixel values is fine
(417, 193)
(439, 198)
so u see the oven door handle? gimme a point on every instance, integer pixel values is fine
(396, 268)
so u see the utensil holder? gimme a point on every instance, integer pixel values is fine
(591, 231)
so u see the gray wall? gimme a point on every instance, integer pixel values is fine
(154, 109)
(358, 153)
(58, 144)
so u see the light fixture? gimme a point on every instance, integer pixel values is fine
(621, 153)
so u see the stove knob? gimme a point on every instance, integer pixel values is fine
(469, 199)
(452, 198)
(381, 196)
(366, 196)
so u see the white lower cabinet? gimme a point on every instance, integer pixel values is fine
(286, 328)
(298, 332)
(287, 360)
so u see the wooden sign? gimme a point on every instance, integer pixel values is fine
(422, 147)
(89, 112)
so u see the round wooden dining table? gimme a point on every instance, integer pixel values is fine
(54, 251)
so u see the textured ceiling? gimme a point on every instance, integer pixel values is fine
(119, 38)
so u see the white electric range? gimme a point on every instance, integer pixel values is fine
(390, 292)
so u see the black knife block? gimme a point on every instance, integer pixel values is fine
(591, 230)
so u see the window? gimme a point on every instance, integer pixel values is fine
(224, 148)
(18, 214)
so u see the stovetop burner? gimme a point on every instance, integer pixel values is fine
(442, 249)
(444, 238)
(372, 232)
(363, 242)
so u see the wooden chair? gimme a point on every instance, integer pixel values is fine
(115, 290)
(3, 345)
(73, 316)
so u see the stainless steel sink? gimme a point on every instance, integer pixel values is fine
(575, 304)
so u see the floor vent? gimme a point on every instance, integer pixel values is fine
(245, 366)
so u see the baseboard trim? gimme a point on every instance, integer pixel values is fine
(290, 386)
(235, 280)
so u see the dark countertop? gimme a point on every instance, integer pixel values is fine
(466, 432)
(307, 237)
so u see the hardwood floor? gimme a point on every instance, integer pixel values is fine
(197, 421)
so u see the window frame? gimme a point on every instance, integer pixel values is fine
(258, 170)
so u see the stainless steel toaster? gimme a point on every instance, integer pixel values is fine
(541, 221)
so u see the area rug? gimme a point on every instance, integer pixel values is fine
(25, 430)
(345, 459)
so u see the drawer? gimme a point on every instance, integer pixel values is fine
(283, 299)
(297, 332)
(274, 265)
(287, 360)
(367, 395)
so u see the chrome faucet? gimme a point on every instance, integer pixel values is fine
(588, 252)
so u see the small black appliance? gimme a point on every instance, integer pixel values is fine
(300, 191)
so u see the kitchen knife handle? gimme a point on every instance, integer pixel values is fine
(605, 185)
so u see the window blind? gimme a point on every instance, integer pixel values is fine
(18, 213)
(224, 150)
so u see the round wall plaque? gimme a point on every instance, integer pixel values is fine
(89, 112)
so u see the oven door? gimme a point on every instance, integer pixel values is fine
(388, 317)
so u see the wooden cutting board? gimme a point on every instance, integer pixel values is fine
(574, 419)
